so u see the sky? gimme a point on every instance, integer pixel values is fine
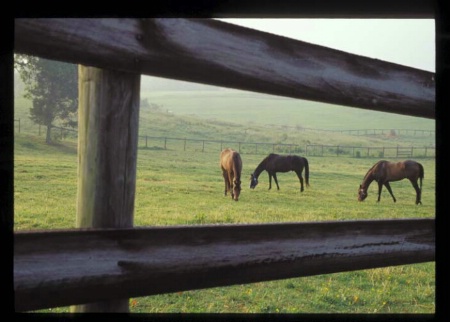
(409, 42)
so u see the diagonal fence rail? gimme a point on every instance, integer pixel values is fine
(217, 53)
(80, 266)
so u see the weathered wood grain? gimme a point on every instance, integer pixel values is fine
(73, 267)
(107, 147)
(108, 115)
(216, 53)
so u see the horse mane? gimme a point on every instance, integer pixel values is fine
(261, 165)
(371, 169)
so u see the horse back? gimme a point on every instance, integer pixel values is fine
(404, 169)
(414, 167)
(225, 157)
(230, 160)
(284, 163)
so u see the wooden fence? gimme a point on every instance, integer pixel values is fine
(112, 261)
(110, 264)
(214, 146)
(358, 132)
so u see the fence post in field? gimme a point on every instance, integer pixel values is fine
(108, 103)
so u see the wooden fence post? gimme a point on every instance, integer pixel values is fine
(107, 152)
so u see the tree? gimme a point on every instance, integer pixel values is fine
(52, 87)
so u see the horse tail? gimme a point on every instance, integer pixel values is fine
(421, 175)
(306, 171)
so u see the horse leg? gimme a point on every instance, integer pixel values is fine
(230, 184)
(299, 175)
(380, 186)
(276, 180)
(388, 186)
(225, 179)
(270, 181)
(418, 192)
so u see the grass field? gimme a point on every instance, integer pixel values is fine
(177, 187)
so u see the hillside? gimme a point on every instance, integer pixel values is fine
(248, 108)
(194, 111)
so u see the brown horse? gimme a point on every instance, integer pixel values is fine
(231, 164)
(274, 163)
(384, 172)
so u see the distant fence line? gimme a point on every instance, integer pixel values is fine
(200, 145)
(357, 132)
(63, 131)
(366, 132)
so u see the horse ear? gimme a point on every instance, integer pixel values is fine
(360, 186)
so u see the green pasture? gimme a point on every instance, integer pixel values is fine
(176, 187)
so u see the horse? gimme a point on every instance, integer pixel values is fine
(231, 165)
(384, 172)
(274, 163)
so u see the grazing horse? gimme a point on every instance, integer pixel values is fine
(384, 172)
(231, 164)
(274, 163)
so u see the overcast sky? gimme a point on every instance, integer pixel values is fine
(409, 42)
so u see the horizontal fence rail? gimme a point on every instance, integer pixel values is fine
(217, 53)
(61, 268)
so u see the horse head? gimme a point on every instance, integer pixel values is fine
(253, 181)
(362, 193)
(236, 189)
